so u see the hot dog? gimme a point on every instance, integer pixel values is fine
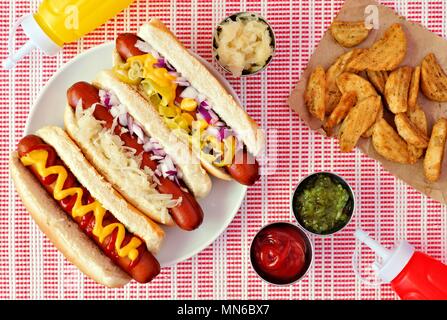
(188, 215)
(157, 65)
(107, 227)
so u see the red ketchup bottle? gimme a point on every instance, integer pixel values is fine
(413, 275)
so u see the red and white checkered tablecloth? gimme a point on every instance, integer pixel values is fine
(31, 268)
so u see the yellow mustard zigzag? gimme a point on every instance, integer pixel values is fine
(38, 159)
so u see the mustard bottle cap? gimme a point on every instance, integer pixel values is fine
(37, 38)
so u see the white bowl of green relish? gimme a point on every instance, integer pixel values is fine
(323, 203)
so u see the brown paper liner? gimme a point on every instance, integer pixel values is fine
(420, 42)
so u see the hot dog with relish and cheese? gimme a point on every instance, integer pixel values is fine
(191, 101)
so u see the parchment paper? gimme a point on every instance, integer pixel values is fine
(420, 42)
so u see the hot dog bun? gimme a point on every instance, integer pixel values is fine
(134, 220)
(62, 231)
(166, 43)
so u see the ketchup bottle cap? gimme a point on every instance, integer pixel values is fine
(392, 261)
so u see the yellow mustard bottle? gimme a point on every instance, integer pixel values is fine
(57, 22)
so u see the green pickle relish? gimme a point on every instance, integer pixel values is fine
(321, 205)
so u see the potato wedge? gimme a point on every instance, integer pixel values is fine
(348, 81)
(413, 91)
(435, 151)
(419, 119)
(409, 131)
(333, 94)
(349, 34)
(385, 54)
(368, 133)
(389, 144)
(347, 101)
(415, 153)
(358, 120)
(396, 89)
(315, 94)
(433, 79)
(378, 79)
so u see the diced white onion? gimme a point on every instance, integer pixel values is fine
(138, 131)
(213, 131)
(182, 81)
(189, 92)
(123, 119)
(175, 74)
(143, 46)
(147, 146)
(114, 112)
(130, 125)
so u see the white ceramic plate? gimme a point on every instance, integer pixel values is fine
(219, 207)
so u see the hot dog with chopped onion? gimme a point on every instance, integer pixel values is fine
(186, 213)
(191, 101)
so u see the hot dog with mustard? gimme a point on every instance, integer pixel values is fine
(95, 228)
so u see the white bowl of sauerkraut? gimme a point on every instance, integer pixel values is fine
(243, 44)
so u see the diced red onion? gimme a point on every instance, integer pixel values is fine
(158, 152)
(171, 172)
(201, 97)
(107, 101)
(205, 105)
(161, 63)
(170, 68)
(224, 133)
(239, 145)
(205, 114)
(214, 117)
(155, 54)
(102, 95)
